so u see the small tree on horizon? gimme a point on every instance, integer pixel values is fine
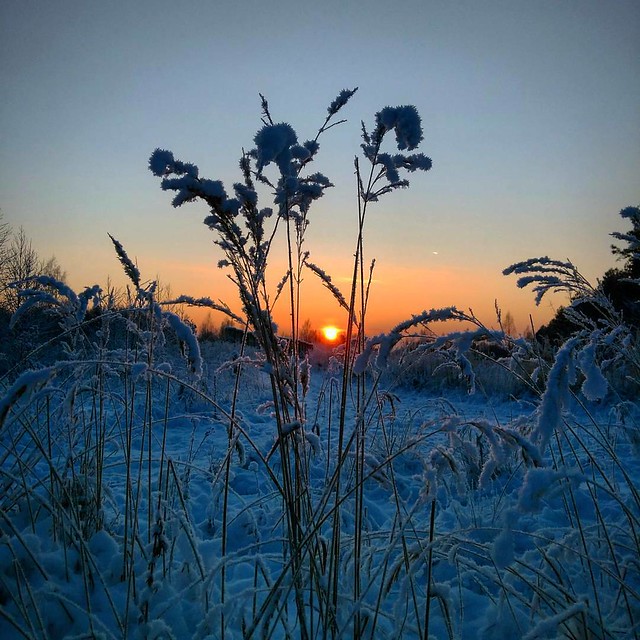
(307, 332)
(622, 286)
(631, 253)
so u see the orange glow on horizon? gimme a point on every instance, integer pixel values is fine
(397, 293)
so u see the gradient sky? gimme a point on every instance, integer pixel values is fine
(531, 113)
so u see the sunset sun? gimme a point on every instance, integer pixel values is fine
(330, 333)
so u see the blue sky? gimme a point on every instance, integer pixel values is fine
(531, 113)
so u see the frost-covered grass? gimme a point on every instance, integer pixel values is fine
(515, 543)
(153, 487)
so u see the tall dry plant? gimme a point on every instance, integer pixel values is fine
(240, 226)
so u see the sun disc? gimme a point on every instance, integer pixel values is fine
(330, 333)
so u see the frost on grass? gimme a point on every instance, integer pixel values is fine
(503, 548)
(186, 336)
(406, 122)
(239, 223)
(541, 484)
(328, 283)
(556, 395)
(342, 99)
(23, 388)
(55, 294)
(595, 385)
(549, 627)
(162, 163)
(129, 267)
(207, 303)
(385, 342)
(273, 144)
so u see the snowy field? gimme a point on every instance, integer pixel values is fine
(131, 508)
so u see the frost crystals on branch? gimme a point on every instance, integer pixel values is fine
(386, 341)
(550, 275)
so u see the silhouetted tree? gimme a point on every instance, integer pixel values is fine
(559, 329)
(631, 253)
(21, 261)
(621, 286)
(509, 324)
(5, 241)
(5, 235)
(307, 332)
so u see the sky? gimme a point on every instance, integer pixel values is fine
(531, 115)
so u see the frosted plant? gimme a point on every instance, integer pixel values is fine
(599, 327)
(23, 388)
(385, 342)
(546, 275)
(245, 232)
(54, 294)
(242, 232)
(126, 514)
(405, 122)
(129, 267)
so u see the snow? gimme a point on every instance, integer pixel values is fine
(595, 385)
(273, 144)
(340, 101)
(550, 625)
(495, 508)
(161, 162)
(556, 395)
(23, 388)
(405, 120)
(186, 336)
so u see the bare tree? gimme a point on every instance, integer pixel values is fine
(19, 261)
(22, 262)
(53, 268)
(5, 234)
(509, 324)
(307, 332)
(5, 237)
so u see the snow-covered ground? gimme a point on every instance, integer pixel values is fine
(121, 517)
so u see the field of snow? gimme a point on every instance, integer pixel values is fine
(136, 506)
